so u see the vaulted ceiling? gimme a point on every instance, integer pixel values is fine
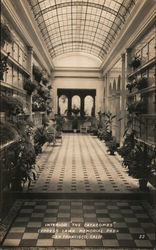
(89, 26)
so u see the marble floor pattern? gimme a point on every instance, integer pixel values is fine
(103, 224)
(81, 164)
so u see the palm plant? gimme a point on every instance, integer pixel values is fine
(136, 62)
(29, 86)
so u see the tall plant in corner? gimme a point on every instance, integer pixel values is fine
(109, 139)
(137, 157)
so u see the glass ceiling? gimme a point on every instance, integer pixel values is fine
(89, 26)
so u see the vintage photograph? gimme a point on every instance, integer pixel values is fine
(78, 124)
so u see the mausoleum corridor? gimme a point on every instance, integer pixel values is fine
(78, 125)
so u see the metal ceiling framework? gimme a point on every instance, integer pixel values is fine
(89, 26)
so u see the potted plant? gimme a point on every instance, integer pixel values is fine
(3, 65)
(45, 80)
(21, 163)
(43, 92)
(75, 124)
(94, 125)
(29, 86)
(137, 160)
(40, 137)
(59, 122)
(49, 108)
(100, 133)
(131, 107)
(142, 83)
(136, 62)
(45, 121)
(109, 120)
(37, 73)
(131, 86)
(75, 110)
(38, 103)
(138, 107)
(11, 105)
(112, 145)
(49, 87)
(6, 35)
(7, 132)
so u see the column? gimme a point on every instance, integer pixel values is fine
(30, 61)
(58, 107)
(118, 116)
(106, 93)
(123, 99)
(93, 112)
(69, 105)
(30, 70)
(82, 106)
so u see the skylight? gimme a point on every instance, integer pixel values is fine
(87, 26)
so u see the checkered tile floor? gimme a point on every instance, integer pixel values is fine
(83, 223)
(81, 165)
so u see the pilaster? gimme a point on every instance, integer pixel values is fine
(30, 70)
(123, 99)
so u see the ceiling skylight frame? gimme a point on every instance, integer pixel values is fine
(82, 30)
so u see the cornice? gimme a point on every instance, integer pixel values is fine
(76, 69)
(74, 72)
(78, 77)
(139, 22)
(19, 14)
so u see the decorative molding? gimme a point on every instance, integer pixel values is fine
(77, 69)
(68, 72)
(87, 77)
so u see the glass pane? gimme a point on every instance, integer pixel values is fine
(81, 25)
